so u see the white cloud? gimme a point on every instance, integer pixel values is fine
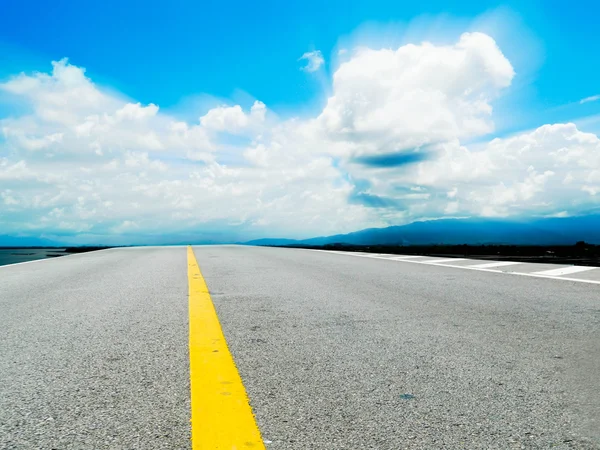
(110, 162)
(314, 61)
(593, 98)
(386, 99)
(233, 119)
(126, 226)
(135, 111)
(62, 97)
(551, 169)
(29, 142)
(89, 162)
(452, 208)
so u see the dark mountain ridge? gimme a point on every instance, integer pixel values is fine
(473, 231)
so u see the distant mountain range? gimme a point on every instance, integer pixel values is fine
(548, 231)
(478, 231)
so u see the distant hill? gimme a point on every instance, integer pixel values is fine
(478, 231)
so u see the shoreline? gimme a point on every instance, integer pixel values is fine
(15, 255)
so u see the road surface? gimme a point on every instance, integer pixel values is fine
(335, 351)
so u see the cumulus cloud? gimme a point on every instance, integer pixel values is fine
(232, 119)
(103, 164)
(415, 95)
(314, 61)
(551, 169)
(387, 148)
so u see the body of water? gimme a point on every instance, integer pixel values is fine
(17, 255)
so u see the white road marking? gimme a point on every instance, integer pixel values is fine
(439, 261)
(496, 264)
(534, 274)
(565, 270)
(400, 258)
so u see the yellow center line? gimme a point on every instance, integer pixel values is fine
(221, 414)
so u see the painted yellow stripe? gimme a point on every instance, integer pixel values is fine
(221, 415)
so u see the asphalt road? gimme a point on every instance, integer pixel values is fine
(335, 352)
(94, 351)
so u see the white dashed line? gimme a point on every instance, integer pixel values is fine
(495, 264)
(553, 274)
(564, 271)
(445, 260)
(400, 258)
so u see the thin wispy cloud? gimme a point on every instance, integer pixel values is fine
(314, 61)
(593, 98)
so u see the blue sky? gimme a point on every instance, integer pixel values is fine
(165, 52)
(191, 58)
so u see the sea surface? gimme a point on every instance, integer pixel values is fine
(18, 255)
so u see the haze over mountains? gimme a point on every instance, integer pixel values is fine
(546, 231)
